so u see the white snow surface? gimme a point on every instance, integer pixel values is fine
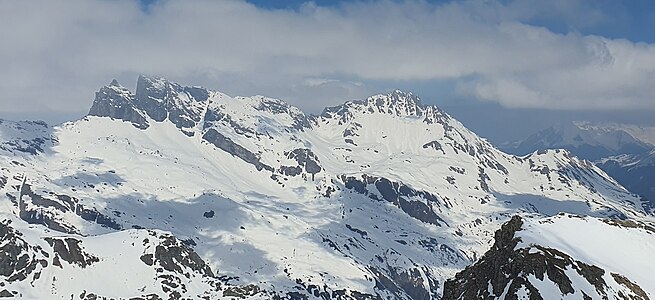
(617, 249)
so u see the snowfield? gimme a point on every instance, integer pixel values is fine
(615, 246)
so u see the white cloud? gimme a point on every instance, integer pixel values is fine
(618, 75)
(56, 53)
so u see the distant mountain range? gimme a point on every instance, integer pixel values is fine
(177, 192)
(626, 152)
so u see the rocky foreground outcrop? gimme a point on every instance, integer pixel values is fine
(512, 271)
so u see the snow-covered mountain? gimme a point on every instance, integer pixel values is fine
(588, 140)
(634, 171)
(644, 134)
(623, 151)
(181, 192)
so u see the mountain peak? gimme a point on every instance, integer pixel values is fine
(395, 103)
(155, 97)
(398, 94)
(151, 87)
(395, 99)
(116, 101)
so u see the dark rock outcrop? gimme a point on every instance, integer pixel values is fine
(399, 194)
(275, 106)
(505, 270)
(47, 210)
(162, 99)
(434, 145)
(307, 161)
(70, 250)
(226, 144)
(155, 98)
(151, 98)
(18, 259)
(172, 255)
(117, 102)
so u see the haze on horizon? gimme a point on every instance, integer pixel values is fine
(504, 68)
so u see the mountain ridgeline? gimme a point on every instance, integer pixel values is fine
(626, 152)
(175, 192)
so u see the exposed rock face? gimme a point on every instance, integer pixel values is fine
(36, 209)
(156, 98)
(70, 250)
(18, 259)
(406, 284)
(401, 195)
(151, 97)
(227, 145)
(173, 256)
(505, 272)
(275, 106)
(434, 145)
(307, 161)
(117, 102)
(47, 209)
(162, 100)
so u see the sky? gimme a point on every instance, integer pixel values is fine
(505, 68)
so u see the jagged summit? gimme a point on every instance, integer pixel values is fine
(117, 102)
(397, 102)
(157, 98)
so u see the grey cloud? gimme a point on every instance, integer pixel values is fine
(619, 75)
(55, 54)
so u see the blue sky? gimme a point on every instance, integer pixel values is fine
(492, 64)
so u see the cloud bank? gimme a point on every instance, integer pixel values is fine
(56, 53)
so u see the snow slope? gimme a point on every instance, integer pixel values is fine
(377, 198)
(606, 244)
